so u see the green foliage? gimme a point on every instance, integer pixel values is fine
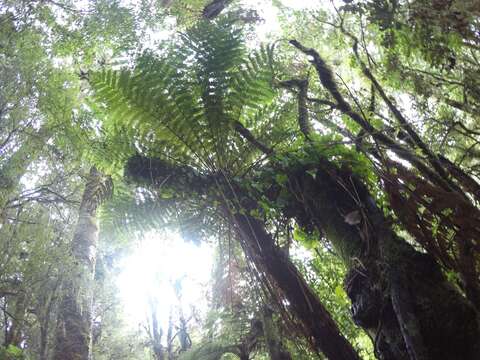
(181, 102)
(206, 351)
(11, 353)
(43, 134)
(183, 105)
(323, 147)
(325, 273)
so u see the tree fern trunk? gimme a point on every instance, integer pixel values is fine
(75, 313)
(304, 303)
(259, 244)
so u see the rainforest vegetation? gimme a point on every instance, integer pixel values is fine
(320, 158)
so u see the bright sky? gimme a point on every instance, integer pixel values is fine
(152, 269)
(266, 11)
(269, 13)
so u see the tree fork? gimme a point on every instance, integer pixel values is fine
(326, 78)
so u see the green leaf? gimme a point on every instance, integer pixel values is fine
(339, 292)
(281, 179)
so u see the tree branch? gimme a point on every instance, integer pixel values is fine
(303, 121)
(432, 159)
(247, 135)
(214, 8)
(326, 78)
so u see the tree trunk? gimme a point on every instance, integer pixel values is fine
(183, 336)
(15, 331)
(156, 332)
(170, 336)
(322, 331)
(73, 334)
(47, 303)
(304, 303)
(244, 356)
(43, 342)
(399, 295)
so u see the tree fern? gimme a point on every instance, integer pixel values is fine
(136, 211)
(183, 106)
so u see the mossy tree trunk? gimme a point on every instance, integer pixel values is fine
(14, 333)
(399, 295)
(73, 334)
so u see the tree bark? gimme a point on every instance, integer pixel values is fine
(170, 354)
(73, 333)
(400, 296)
(214, 8)
(304, 303)
(156, 332)
(15, 331)
(243, 356)
(47, 304)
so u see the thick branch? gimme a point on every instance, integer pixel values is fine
(247, 135)
(432, 159)
(468, 183)
(303, 121)
(326, 78)
(461, 106)
(213, 9)
(323, 102)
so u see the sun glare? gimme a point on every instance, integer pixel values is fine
(158, 263)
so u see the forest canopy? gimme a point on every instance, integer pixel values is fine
(258, 180)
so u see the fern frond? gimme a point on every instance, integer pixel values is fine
(152, 109)
(184, 106)
(208, 351)
(138, 210)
